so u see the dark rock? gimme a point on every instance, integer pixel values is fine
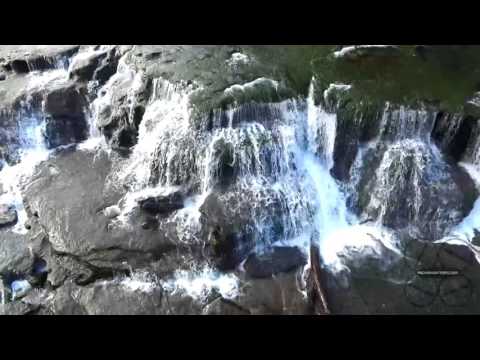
(8, 215)
(65, 123)
(64, 131)
(76, 182)
(41, 63)
(227, 232)
(163, 204)
(453, 133)
(64, 100)
(2, 76)
(20, 66)
(274, 261)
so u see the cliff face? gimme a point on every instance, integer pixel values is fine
(197, 179)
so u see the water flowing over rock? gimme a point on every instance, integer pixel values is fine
(197, 180)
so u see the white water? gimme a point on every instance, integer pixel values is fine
(336, 231)
(198, 284)
(32, 152)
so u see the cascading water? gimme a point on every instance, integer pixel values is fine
(32, 151)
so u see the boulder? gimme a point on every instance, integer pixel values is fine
(162, 205)
(274, 261)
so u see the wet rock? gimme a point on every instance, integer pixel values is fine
(8, 215)
(65, 130)
(84, 65)
(65, 123)
(64, 100)
(227, 231)
(107, 298)
(163, 204)
(75, 181)
(453, 133)
(413, 188)
(274, 261)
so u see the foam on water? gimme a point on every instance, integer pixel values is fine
(198, 284)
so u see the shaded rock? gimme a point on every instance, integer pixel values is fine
(8, 215)
(2, 76)
(65, 130)
(64, 100)
(453, 133)
(163, 204)
(274, 261)
(65, 123)
(19, 66)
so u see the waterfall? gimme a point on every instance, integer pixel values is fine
(32, 151)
